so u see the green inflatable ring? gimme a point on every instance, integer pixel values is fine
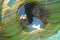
(51, 27)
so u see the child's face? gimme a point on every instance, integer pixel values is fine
(23, 17)
(23, 20)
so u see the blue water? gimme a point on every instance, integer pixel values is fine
(22, 10)
(35, 22)
(55, 36)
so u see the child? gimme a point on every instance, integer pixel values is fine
(31, 19)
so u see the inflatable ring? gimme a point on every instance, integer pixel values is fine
(12, 28)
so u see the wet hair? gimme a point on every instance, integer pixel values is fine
(28, 11)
